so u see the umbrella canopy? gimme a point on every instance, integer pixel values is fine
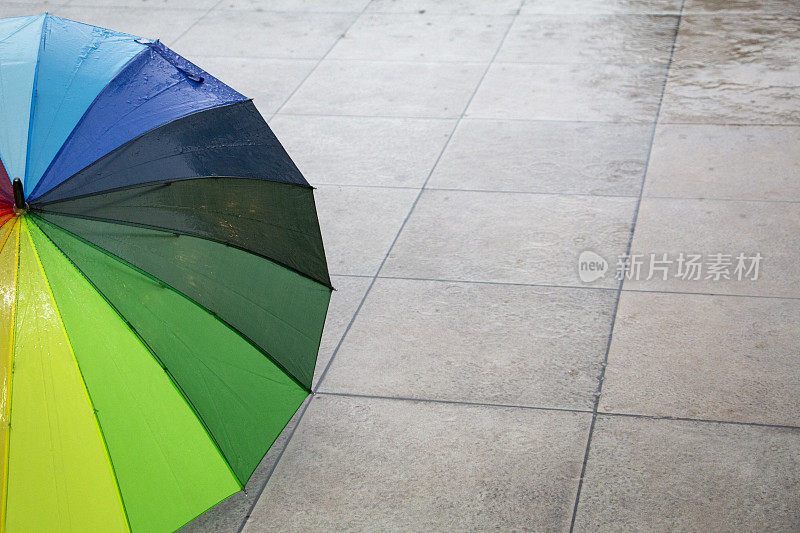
(163, 284)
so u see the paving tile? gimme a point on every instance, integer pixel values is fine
(344, 302)
(363, 150)
(455, 7)
(386, 465)
(501, 237)
(710, 227)
(735, 69)
(555, 157)
(750, 93)
(387, 88)
(475, 342)
(740, 162)
(265, 34)
(164, 24)
(740, 6)
(342, 6)
(736, 41)
(172, 4)
(229, 515)
(359, 224)
(708, 357)
(557, 7)
(269, 82)
(31, 8)
(589, 39)
(29, 3)
(615, 93)
(667, 475)
(409, 37)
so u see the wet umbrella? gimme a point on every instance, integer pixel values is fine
(162, 277)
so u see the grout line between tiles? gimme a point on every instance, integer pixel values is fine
(556, 286)
(698, 420)
(712, 199)
(192, 25)
(415, 202)
(492, 191)
(765, 296)
(548, 193)
(557, 409)
(619, 291)
(319, 62)
(533, 120)
(500, 283)
(451, 402)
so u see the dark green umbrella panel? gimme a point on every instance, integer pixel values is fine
(163, 284)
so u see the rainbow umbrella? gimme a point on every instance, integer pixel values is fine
(162, 278)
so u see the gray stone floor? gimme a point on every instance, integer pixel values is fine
(465, 153)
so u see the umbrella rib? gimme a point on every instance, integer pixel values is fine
(246, 297)
(33, 99)
(36, 193)
(7, 450)
(71, 134)
(34, 202)
(152, 354)
(182, 232)
(254, 303)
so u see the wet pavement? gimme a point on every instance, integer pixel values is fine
(474, 373)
